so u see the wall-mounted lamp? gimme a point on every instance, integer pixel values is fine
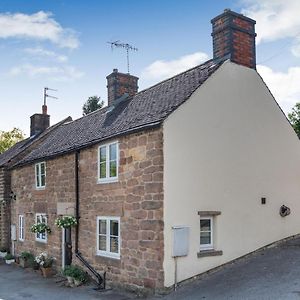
(13, 196)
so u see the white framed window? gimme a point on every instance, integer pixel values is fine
(21, 228)
(108, 236)
(108, 162)
(206, 233)
(41, 237)
(40, 175)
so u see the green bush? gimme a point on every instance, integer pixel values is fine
(76, 272)
(3, 249)
(26, 255)
(8, 256)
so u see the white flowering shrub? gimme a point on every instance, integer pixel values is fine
(44, 261)
(65, 221)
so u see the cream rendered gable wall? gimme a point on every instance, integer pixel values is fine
(224, 149)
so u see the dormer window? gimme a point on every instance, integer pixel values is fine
(108, 162)
(40, 175)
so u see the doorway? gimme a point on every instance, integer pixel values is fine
(66, 247)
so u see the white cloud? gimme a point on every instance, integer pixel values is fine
(275, 19)
(284, 86)
(39, 26)
(162, 69)
(40, 52)
(61, 73)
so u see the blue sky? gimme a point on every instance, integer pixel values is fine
(63, 45)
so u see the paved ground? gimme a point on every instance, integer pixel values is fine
(270, 274)
(17, 283)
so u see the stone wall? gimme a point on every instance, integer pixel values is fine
(137, 198)
(4, 207)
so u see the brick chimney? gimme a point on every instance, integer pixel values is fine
(39, 122)
(119, 83)
(234, 38)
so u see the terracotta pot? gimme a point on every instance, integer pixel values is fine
(47, 272)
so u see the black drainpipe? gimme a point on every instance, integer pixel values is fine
(100, 280)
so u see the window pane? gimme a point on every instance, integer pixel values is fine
(114, 244)
(102, 227)
(205, 238)
(113, 152)
(102, 242)
(43, 180)
(42, 168)
(37, 168)
(102, 154)
(112, 169)
(114, 228)
(205, 225)
(103, 170)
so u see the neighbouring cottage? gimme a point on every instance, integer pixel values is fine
(197, 166)
(39, 129)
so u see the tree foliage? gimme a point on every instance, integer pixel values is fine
(9, 138)
(93, 103)
(294, 118)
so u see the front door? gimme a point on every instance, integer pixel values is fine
(66, 247)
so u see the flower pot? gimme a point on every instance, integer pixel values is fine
(9, 261)
(46, 272)
(70, 280)
(23, 262)
(3, 254)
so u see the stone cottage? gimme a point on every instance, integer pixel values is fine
(39, 129)
(186, 175)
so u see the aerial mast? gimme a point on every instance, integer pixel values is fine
(126, 46)
(44, 108)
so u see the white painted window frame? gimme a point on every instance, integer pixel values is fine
(211, 245)
(108, 179)
(39, 174)
(37, 238)
(107, 253)
(21, 228)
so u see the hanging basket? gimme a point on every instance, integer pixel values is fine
(40, 228)
(65, 222)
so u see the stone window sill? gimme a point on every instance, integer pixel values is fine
(205, 253)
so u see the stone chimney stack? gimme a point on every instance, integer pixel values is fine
(39, 122)
(234, 38)
(119, 83)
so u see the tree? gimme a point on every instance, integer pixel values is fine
(93, 103)
(9, 138)
(294, 118)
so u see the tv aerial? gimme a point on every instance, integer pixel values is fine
(48, 96)
(126, 46)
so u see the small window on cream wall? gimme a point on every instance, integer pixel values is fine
(207, 231)
(108, 162)
(40, 175)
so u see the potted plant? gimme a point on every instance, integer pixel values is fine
(40, 228)
(68, 273)
(9, 259)
(25, 258)
(33, 264)
(45, 263)
(65, 221)
(3, 252)
(75, 274)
